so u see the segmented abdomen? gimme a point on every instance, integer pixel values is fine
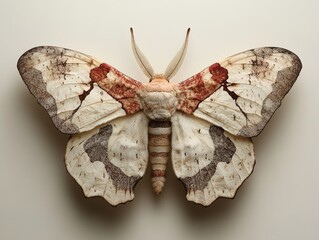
(159, 146)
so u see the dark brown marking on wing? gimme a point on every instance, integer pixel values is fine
(234, 96)
(97, 149)
(33, 78)
(224, 151)
(283, 83)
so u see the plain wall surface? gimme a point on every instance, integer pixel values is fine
(40, 200)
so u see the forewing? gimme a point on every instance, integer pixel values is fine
(210, 162)
(108, 161)
(68, 84)
(257, 81)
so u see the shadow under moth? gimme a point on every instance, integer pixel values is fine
(202, 125)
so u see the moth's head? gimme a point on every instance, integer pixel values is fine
(158, 78)
(172, 67)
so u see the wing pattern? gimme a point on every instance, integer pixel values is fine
(60, 79)
(210, 162)
(214, 115)
(258, 80)
(108, 161)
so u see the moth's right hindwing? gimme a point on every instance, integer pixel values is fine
(60, 80)
(108, 161)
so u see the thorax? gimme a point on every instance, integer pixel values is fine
(159, 99)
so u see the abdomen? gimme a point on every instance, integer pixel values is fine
(159, 146)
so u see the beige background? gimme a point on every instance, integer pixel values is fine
(39, 200)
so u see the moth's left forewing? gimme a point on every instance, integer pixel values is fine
(257, 82)
(109, 160)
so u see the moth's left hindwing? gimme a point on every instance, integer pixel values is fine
(209, 161)
(109, 160)
(76, 90)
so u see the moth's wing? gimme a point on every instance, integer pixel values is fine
(243, 102)
(77, 91)
(108, 161)
(209, 161)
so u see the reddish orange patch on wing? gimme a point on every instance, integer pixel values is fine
(120, 87)
(195, 89)
(100, 72)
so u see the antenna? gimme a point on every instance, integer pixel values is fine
(177, 61)
(141, 59)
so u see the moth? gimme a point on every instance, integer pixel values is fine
(203, 125)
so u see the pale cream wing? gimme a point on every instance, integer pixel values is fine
(109, 160)
(209, 161)
(63, 83)
(258, 80)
